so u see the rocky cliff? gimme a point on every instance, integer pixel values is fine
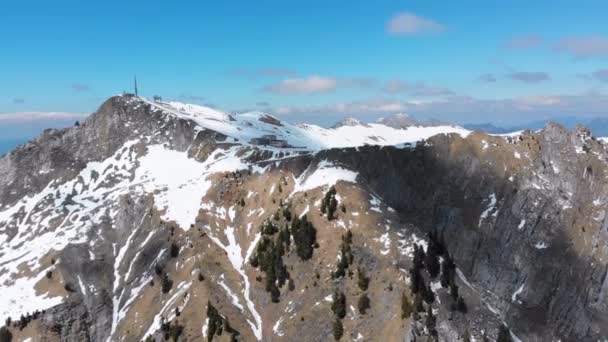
(153, 221)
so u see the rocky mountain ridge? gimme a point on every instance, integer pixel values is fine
(145, 221)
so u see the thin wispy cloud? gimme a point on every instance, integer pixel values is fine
(24, 117)
(395, 86)
(308, 85)
(462, 108)
(601, 75)
(529, 77)
(415, 89)
(528, 41)
(316, 84)
(408, 24)
(80, 87)
(357, 82)
(18, 100)
(363, 107)
(584, 47)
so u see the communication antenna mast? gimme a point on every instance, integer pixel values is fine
(135, 79)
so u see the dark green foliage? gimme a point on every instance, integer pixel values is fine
(363, 303)
(329, 203)
(5, 335)
(415, 280)
(287, 214)
(338, 305)
(503, 334)
(346, 255)
(69, 287)
(338, 329)
(280, 188)
(461, 306)
(415, 276)
(172, 330)
(174, 249)
(158, 269)
(448, 269)
(454, 291)
(276, 216)
(406, 306)
(331, 209)
(431, 261)
(427, 294)
(362, 279)
(291, 285)
(165, 283)
(436, 243)
(418, 256)
(348, 237)
(268, 228)
(149, 339)
(218, 324)
(284, 238)
(304, 236)
(418, 307)
(431, 322)
(242, 202)
(343, 208)
(269, 257)
(215, 324)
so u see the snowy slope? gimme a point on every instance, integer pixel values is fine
(246, 126)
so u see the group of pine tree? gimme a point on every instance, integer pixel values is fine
(277, 235)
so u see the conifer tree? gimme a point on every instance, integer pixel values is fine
(338, 305)
(431, 322)
(431, 262)
(363, 304)
(362, 279)
(338, 329)
(5, 335)
(406, 306)
(503, 334)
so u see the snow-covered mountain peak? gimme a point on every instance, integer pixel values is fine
(348, 121)
(246, 128)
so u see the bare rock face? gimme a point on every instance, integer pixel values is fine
(141, 224)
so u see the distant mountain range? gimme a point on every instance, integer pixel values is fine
(598, 126)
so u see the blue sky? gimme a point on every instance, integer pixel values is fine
(315, 61)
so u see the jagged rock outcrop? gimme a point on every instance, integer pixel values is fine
(135, 223)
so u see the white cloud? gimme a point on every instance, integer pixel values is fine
(410, 24)
(25, 117)
(584, 47)
(316, 84)
(369, 106)
(308, 85)
(416, 89)
(465, 108)
(529, 76)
